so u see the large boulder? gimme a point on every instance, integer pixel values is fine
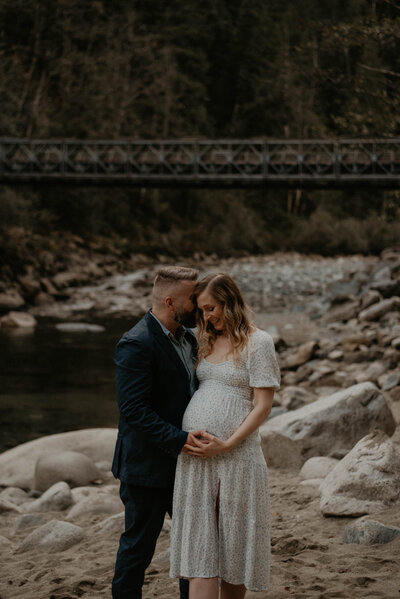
(365, 481)
(55, 535)
(70, 466)
(17, 465)
(330, 426)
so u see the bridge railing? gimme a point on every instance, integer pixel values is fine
(225, 162)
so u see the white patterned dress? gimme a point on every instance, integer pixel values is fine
(238, 548)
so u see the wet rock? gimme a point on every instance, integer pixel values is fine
(317, 467)
(329, 426)
(73, 467)
(79, 327)
(294, 397)
(369, 532)
(376, 311)
(10, 300)
(55, 535)
(17, 465)
(366, 480)
(18, 319)
(57, 498)
(28, 521)
(101, 504)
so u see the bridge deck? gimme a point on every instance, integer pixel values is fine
(204, 163)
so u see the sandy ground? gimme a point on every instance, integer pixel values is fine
(308, 557)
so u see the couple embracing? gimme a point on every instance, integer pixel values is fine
(188, 441)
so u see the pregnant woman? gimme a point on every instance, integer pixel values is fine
(220, 524)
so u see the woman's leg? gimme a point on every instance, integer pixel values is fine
(232, 591)
(203, 588)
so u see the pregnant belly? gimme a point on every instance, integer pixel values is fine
(219, 414)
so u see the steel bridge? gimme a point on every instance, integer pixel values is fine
(203, 163)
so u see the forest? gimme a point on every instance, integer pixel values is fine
(95, 69)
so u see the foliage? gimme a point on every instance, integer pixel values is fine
(237, 68)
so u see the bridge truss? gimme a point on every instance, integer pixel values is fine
(202, 163)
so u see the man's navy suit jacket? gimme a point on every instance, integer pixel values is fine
(153, 391)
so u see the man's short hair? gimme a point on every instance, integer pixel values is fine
(174, 274)
(166, 280)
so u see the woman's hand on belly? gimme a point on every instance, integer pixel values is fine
(208, 446)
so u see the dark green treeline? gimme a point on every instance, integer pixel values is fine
(216, 68)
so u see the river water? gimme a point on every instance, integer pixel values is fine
(52, 381)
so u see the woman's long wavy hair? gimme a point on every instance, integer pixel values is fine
(236, 313)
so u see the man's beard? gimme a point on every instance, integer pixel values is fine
(185, 318)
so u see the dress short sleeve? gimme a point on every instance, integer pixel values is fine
(261, 361)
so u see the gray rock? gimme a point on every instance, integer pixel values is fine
(342, 312)
(303, 354)
(276, 411)
(294, 397)
(73, 467)
(17, 465)
(79, 327)
(55, 535)
(372, 372)
(336, 355)
(28, 521)
(15, 495)
(329, 426)
(378, 310)
(369, 532)
(102, 504)
(387, 287)
(366, 480)
(5, 545)
(390, 381)
(18, 319)
(57, 498)
(317, 468)
(11, 300)
(369, 298)
(112, 524)
(7, 506)
(396, 343)
(382, 272)
(30, 286)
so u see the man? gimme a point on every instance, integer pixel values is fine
(155, 381)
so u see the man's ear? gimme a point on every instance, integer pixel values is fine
(169, 302)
